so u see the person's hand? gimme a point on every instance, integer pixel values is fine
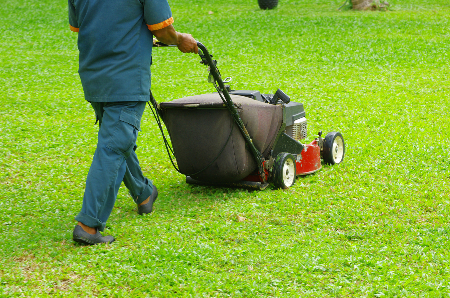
(186, 43)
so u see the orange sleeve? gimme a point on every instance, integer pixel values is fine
(161, 25)
(74, 29)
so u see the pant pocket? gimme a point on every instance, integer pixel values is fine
(130, 117)
(125, 133)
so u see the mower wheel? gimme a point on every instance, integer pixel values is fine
(284, 170)
(333, 148)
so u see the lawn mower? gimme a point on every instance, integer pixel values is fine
(242, 138)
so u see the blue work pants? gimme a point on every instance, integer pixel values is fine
(114, 161)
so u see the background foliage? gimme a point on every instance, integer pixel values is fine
(375, 225)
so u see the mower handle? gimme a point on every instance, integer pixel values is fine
(160, 44)
(221, 89)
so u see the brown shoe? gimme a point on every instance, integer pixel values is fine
(81, 236)
(148, 207)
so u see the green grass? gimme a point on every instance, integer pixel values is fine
(375, 225)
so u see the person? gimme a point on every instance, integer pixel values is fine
(115, 39)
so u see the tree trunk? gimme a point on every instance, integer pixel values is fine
(369, 4)
(361, 4)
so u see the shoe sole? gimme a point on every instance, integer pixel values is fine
(86, 240)
(89, 242)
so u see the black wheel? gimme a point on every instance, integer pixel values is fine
(267, 4)
(284, 170)
(333, 148)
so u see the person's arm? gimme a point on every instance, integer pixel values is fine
(185, 42)
(73, 22)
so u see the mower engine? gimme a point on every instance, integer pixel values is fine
(293, 114)
(298, 130)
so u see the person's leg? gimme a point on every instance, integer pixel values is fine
(119, 125)
(142, 190)
(140, 187)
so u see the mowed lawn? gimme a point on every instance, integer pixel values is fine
(375, 225)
